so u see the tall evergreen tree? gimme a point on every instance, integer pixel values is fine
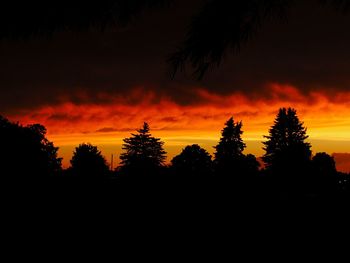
(229, 151)
(143, 153)
(287, 155)
(285, 146)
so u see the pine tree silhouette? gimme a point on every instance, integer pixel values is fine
(286, 137)
(229, 152)
(287, 155)
(143, 153)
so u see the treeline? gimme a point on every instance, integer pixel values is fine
(289, 167)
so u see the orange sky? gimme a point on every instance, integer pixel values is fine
(327, 118)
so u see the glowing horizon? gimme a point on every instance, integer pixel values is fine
(327, 118)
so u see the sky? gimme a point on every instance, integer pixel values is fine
(99, 87)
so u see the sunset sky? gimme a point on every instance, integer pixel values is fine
(99, 87)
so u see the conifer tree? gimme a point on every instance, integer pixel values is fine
(142, 151)
(286, 149)
(229, 151)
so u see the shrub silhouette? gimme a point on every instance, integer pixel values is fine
(143, 153)
(192, 161)
(87, 161)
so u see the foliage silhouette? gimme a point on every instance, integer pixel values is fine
(26, 153)
(229, 151)
(325, 173)
(251, 164)
(87, 161)
(192, 161)
(286, 139)
(225, 25)
(287, 155)
(324, 164)
(144, 154)
(290, 169)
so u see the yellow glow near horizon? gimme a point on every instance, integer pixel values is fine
(327, 119)
(112, 143)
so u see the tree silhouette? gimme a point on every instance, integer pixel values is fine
(324, 173)
(25, 152)
(286, 152)
(229, 151)
(87, 161)
(251, 164)
(47, 149)
(143, 153)
(324, 164)
(193, 161)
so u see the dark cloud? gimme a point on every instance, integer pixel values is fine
(107, 129)
(169, 119)
(63, 117)
(310, 52)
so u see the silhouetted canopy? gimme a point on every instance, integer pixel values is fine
(26, 152)
(193, 160)
(251, 164)
(88, 161)
(324, 164)
(325, 176)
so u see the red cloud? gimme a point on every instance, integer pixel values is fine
(327, 117)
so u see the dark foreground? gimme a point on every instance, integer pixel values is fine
(123, 195)
(163, 217)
